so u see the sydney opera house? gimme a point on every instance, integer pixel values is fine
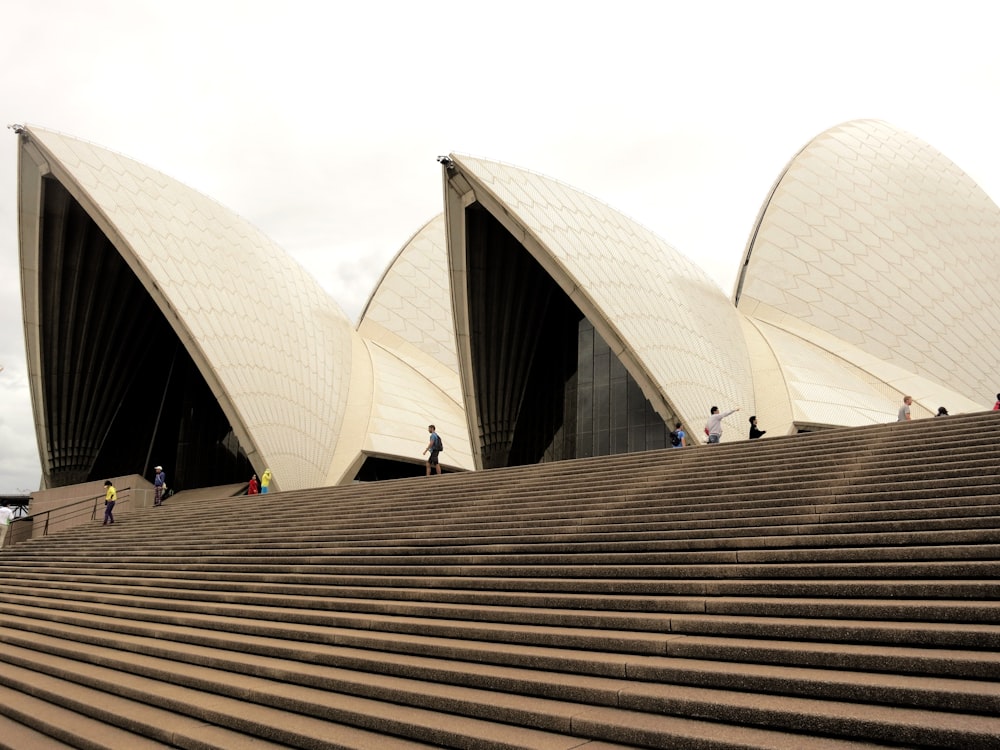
(530, 322)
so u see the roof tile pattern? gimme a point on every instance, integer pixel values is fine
(271, 343)
(870, 273)
(826, 389)
(875, 237)
(410, 328)
(404, 401)
(664, 311)
(413, 297)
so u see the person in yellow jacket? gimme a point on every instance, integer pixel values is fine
(265, 481)
(110, 497)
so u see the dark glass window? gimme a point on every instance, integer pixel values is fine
(623, 419)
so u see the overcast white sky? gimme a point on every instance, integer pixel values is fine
(320, 123)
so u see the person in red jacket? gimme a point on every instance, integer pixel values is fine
(253, 489)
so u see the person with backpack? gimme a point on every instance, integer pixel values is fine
(678, 438)
(435, 445)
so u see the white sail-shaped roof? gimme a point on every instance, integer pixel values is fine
(672, 327)
(869, 274)
(410, 308)
(272, 345)
(876, 239)
(406, 374)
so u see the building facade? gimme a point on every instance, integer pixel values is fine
(551, 325)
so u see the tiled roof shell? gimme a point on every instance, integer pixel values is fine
(272, 344)
(876, 238)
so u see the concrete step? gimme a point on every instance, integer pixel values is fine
(512, 515)
(754, 519)
(583, 684)
(720, 565)
(836, 589)
(871, 658)
(875, 600)
(774, 544)
(309, 690)
(301, 715)
(17, 733)
(645, 633)
(447, 502)
(161, 708)
(70, 714)
(600, 596)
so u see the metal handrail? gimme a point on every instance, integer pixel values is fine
(75, 504)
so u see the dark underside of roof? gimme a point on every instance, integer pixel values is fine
(121, 394)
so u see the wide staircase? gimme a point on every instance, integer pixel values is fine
(826, 590)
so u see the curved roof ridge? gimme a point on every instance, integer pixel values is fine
(147, 166)
(272, 344)
(672, 326)
(567, 185)
(391, 263)
(866, 228)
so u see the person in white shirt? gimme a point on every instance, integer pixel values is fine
(6, 516)
(714, 426)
